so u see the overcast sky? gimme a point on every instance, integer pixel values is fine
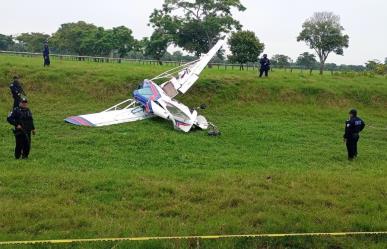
(276, 22)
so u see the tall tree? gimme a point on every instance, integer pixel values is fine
(33, 42)
(123, 40)
(196, 25)
(101, 42)
(324, 33)
(245, 47)
(75, 38)
(87, 39)
(139, 45)
(307, 60)
(156, 46)
(281, 60)
(6, 42)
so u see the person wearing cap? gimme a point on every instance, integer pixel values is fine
(265, 66)
(353, 127)
(16, 91)
(46, 55)
(21, 118)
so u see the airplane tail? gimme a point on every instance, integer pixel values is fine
(189, 79)
(189, 73)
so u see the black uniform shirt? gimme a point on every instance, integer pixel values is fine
(353, 127)
(46, 52)
(265, 63)
(22, 117)
(16, 89)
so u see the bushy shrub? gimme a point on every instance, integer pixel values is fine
(381, 69)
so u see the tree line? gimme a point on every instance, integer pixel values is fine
(194, 27)
(308, 61)
(85, 39)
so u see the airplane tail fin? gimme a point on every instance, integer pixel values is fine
(189, 79)
(189, 73)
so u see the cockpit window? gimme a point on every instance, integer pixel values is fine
(177, 112)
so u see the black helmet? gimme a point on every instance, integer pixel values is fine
(353, 112)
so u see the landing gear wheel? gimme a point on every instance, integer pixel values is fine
(214, 131)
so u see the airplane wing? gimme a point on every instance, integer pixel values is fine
(124, 112)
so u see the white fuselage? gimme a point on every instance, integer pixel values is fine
(182, 117)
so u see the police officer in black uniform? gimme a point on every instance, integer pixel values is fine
(265, 66)
(46, 55)
(16, 91)
(353, 127)
(21, 118)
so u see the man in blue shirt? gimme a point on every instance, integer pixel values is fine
(21, 118)
(265, 66)
(353, 127)
(46, 55)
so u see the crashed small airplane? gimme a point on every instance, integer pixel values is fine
(152, 100)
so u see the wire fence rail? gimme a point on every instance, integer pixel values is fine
(97, 59)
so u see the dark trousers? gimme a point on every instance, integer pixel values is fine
(47, 61)
(352, 146)
(263, 70)
(23, 144)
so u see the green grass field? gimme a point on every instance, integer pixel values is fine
(280, 165)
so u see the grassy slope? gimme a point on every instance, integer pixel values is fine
(280, 165)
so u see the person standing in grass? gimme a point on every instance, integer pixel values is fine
(353, 127)
(21, 118)
(265, 66)
(16, 91)
(46, 55)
